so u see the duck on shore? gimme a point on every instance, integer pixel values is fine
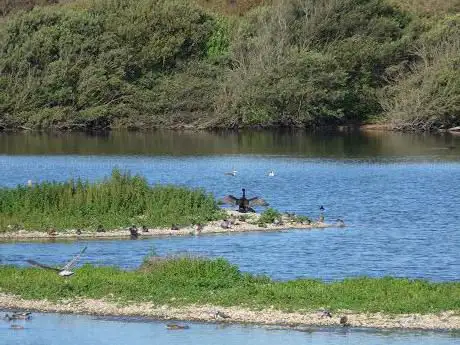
(133, 232)
(219, 315)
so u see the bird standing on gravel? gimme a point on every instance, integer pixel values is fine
(220, 315)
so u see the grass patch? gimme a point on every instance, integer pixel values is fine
(185, 280)
(118, 201)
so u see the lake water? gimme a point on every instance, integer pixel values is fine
(50, 329)
(397, 193)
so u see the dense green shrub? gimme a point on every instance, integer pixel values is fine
(116, 202)
(156, 63)
(428, 95)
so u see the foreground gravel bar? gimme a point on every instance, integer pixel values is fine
(448, 320)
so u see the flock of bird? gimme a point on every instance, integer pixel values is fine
(216, 315)
(244, 205)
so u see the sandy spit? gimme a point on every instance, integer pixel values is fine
(210, 228)
(448, 320)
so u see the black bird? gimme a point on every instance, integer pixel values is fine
(244, 204)
(321, 208)
(344, 321)
(133, 232)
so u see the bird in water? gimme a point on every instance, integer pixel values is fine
(244, 204)
(271, 173)
(16, 326)
(231, 173)
(176, 326)
(65, 271)
(340, 223)
(18, 316)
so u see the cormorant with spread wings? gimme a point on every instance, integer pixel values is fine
(244, 204)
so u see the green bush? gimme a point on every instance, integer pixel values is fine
(269, 216)
(118, 201)
(156, 63)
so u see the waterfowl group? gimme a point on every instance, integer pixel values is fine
(244, 204)
(65, 271)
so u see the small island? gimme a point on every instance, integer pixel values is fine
(189, 288)
(127, 206)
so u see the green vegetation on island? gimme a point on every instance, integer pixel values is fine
(97, 64)
(115, 202)
(179, 281)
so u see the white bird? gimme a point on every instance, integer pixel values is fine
(271, 173)
(232, 173)
(65, 271)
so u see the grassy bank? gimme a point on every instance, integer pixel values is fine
(118, 201)
(204, 64)
(185, 281)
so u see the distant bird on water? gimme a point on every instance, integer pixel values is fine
(271, 173)
(65, 271)
(176, 326)
(244, 204)
(232, 173)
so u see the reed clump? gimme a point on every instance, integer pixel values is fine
(184, 281)
(117, 201)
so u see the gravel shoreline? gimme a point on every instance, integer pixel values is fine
(210, 228)
(448, 320)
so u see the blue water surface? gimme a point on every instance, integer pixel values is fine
(402, 214)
